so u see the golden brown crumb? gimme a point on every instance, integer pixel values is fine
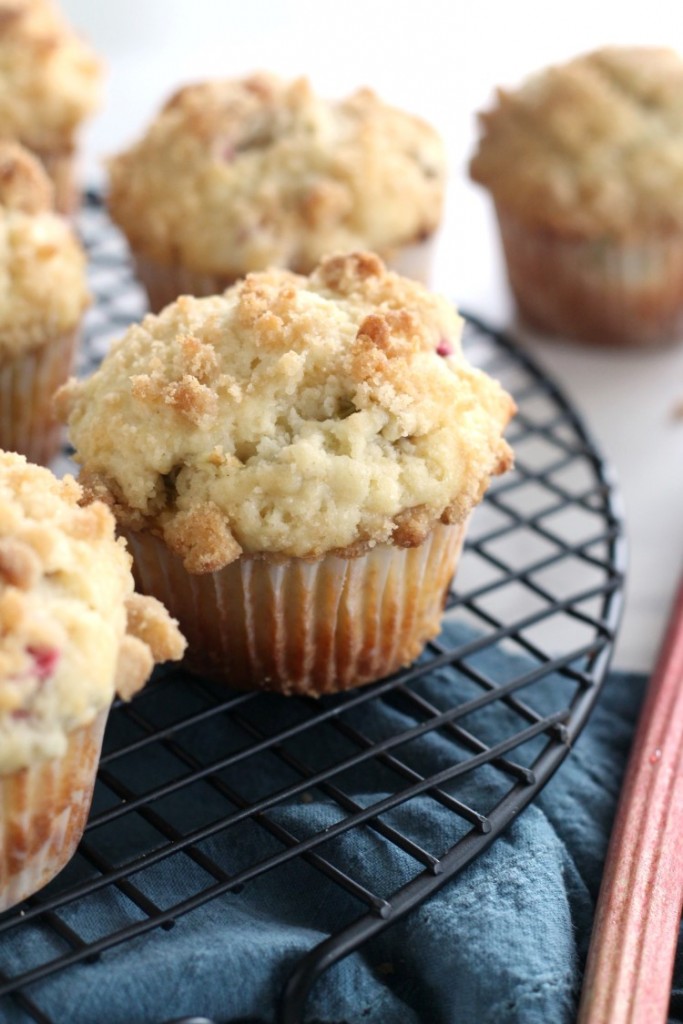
(148, 621)
(187, 396)
(412, 526)
(344, 273)
(202, 538)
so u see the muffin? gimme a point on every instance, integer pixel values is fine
(43, 294)
(585, 166)
(237, 176)
(49, 84)
(293, 464)
(72, 632)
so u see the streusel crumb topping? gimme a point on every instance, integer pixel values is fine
(591, 147)
(291, 416)
(71, 628)
(234, 176)
(43, 289)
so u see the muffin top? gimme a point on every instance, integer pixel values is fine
(234, 176)
(593, 147)
(43, 288)
(291, 416)
(72, 632)
(49, 78)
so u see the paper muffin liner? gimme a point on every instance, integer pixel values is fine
(300, 626)
(605, 292)
(165, 282)
(414, 261)
(27, 383)
(60, 165)
(43, 811)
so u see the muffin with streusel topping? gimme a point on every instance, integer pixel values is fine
(585, 165)
(236, 176)
(72, 633)
(49, 84)
(43, 294)
(293, 464)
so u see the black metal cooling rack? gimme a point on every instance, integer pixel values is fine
(530, 630)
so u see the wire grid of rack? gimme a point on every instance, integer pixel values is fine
(538, 597)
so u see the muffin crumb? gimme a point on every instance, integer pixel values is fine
(148, 621)
(133, 667)
(202, 538)
(19, 564)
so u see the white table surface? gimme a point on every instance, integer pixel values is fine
(440, 59)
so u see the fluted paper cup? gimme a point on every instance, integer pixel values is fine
(60, 165)
(165, 282)
(305, 626)
(43, 811)
(27, 383)
(608, 292)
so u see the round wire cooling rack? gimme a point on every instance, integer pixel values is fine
(204, 795)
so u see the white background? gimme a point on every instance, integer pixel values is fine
(441, 60)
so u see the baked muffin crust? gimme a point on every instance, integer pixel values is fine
(291, 416)
(49, 78)
(43, 289)
(590, 148)
(71, 628)
(234, 176)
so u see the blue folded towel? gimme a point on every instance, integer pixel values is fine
(503, 942)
